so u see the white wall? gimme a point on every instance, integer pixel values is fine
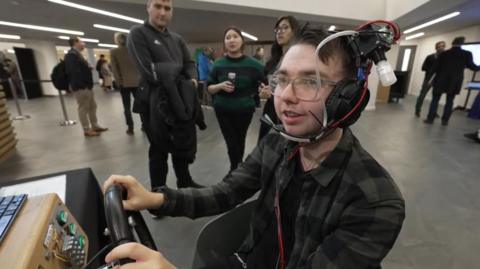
(426, 46)
(5, 46)
(397, 8)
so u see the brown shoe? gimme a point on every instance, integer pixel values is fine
(99, 129)
(91, 133)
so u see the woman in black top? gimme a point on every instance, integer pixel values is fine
(286, 29)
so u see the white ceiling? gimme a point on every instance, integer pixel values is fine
(202, 26)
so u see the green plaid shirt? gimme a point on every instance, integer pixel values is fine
(350, 213)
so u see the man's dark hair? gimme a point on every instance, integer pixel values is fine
(121, 38)
(276, 52)
(72, 41)
(438, 43)
(149, 1)
(458, 40)
(102, 55)
(238, 32)
(337, 47)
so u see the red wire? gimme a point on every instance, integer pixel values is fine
(396, 29)
(357, 105)
(281, 246)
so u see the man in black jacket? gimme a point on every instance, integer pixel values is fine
(427, 67)
(166, 68)
(80, 78)
(449, 78)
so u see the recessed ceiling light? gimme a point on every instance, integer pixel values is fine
(96, 10)
(111, 28)
(247, 35)
(41, 28)
(414, 36)
(428, 23)
(10, 51)
(107, 45)
(9, 36)
(91, 40)
(331, 28)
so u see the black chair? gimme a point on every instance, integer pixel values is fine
(223, 235)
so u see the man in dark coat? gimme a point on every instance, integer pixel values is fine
(427, 67)
(449, 78)
(169, 103)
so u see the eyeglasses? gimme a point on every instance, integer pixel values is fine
(304, 88)
(281, 29)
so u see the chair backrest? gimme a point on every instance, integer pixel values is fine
(223, 235)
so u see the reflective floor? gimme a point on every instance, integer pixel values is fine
(436, 168)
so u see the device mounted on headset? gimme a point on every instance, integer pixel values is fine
(367, 45)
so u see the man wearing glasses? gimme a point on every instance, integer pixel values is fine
(323, 203)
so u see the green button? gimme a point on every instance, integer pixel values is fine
(72, 229)
(62, 217)
(81, 241)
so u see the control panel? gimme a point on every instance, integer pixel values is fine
(45, 236)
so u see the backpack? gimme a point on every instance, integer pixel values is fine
(59, 76)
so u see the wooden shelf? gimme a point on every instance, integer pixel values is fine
(7, 134)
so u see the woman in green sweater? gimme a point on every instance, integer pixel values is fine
(233, 82)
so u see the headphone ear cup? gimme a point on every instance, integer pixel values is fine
(342, 101)
(335, 102)
(353, 117)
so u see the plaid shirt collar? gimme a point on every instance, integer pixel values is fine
(327, 170)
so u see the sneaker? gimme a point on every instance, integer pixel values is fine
(427, 121)
(90, 132)
(474, 136)
(100, 129)
(417, 114)
(444, 123)
(130, 131)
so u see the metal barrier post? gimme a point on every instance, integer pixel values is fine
(15, 98)
(66, 122)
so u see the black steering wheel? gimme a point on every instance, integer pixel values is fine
(121, 223)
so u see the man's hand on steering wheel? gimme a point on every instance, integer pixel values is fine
(138, 198)
(144, 257)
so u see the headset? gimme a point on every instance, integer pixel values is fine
(367, 45)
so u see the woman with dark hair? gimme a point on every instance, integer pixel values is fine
(233, 83)
(286, 29)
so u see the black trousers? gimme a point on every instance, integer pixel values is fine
(158, 161)
(268, 109)
(234, 128)
(423, 92)
(127, 104)
(447, 111)
(158, 166)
